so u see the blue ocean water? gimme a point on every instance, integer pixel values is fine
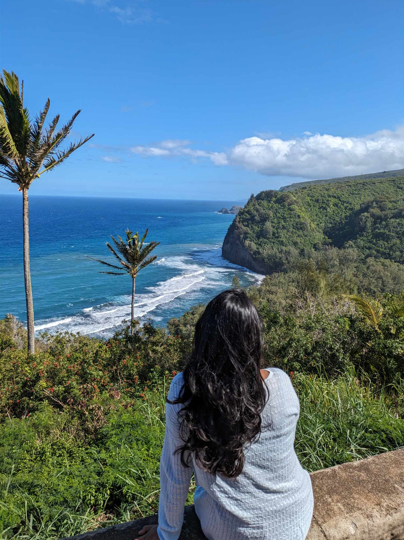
(69, 291)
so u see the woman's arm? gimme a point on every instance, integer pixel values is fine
(174, 477)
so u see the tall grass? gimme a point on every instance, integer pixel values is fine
(343, 420)
(54, 484)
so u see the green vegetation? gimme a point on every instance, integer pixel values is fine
(82, 420)
(355, 229)
(27, 151)
(133, 256)
(373, 176)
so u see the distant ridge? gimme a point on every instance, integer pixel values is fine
(373, 176)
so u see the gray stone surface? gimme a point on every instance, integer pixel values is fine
(363, 500)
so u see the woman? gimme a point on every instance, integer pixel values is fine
(233, 425)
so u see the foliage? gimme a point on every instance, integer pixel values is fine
(361, 220)
(82, 420)
(27, 150)
(133, 254)
(235, 282)
(63, 472)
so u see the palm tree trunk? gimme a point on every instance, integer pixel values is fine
(132, 317)
(27, 274)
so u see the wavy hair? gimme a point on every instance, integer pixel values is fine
(222, 393)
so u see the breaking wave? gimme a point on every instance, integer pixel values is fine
(199, 276)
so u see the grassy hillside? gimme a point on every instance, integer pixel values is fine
(374, 176)
(359, 220)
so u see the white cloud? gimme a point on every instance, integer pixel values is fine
(127, 14)
(321, 156)
(112, 159)
(174, 143)
(310, 156)
(177, 147)
(132, 15)
(149, 151)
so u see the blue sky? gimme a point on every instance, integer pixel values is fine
(211, 99)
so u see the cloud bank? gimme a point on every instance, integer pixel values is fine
(321, 156)
(312, 156)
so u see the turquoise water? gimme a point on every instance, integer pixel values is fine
(71, 294)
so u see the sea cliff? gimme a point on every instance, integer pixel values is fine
(355, 219)
(234, 251)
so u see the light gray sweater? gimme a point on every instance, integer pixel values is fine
(272, 499)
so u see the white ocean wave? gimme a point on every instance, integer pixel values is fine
(52, 324)
(203, 271)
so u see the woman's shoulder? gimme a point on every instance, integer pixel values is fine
(279, 378)
(175, 386)
(278, 372)
(177, 379)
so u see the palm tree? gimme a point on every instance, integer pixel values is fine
(26, 152)
(133, 256)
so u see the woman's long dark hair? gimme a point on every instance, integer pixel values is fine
(223, 394)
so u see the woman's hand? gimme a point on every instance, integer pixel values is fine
(149, 532)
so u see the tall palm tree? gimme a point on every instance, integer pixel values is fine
(133, 256)
(26, 152)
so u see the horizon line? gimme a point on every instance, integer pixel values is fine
(125, 198)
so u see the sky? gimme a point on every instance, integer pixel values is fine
(211, 99)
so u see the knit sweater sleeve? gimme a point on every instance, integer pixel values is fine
(174, 477)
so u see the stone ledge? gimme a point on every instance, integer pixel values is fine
(363, 500)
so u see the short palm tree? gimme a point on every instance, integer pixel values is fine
(133, 256)
(26, 152)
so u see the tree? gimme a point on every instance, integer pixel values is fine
(26, 152)
(235, 282)
(133, 255)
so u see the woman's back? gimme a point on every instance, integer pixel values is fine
(270, 500)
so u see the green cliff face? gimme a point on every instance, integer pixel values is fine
(275, 229)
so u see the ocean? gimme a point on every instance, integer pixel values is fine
(70, 293)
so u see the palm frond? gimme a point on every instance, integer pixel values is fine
(38, 156)
(372, 311)
(7, 143)
(143, 239)
(3, 160)
(123, 262)
(53, 161)
(56, 140)
(114, 273)
(36, 131)
(147, 262)
(17, 117)
(106, 263)
(147, 250)
(48, 152)
(9, 171)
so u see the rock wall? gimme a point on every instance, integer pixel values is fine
(363, 500)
